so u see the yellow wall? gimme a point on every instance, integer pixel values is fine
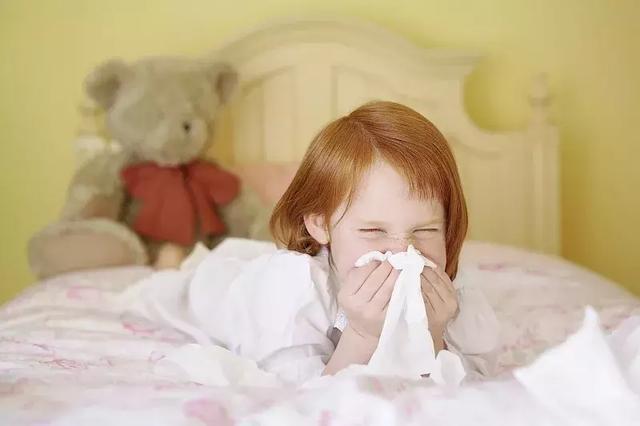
(589, 47)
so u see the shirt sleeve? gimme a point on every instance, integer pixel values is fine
(273, 307)
(276, 309)
(474, 333)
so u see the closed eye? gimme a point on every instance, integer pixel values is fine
(370, 230)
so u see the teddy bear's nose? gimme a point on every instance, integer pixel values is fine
(186, 126)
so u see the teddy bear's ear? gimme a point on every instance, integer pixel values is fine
(223, 79)
(103, 83)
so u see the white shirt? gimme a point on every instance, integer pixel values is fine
(279, 308)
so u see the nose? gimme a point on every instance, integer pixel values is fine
(398, 244)
(186, 126)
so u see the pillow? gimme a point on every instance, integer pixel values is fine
(268, 180)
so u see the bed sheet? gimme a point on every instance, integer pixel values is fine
(70, 355)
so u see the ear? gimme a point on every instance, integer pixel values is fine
(223, 79)
(316, 227)
(103, 83)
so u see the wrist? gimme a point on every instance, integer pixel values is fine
(364, 343)
(353, 348)
(437, 331)
(437, 334)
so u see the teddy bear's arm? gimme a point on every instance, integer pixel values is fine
(96, 190)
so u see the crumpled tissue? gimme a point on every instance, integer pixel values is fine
(589, 378)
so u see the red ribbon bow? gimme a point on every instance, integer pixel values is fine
(176, 199)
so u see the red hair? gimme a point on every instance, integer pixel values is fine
(347, 147)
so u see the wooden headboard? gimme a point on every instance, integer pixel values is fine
(295, 76)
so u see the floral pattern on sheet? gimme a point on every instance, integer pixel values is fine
(69, 354)
(540, 299)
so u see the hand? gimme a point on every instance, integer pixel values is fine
(365, 295)
(441, 302)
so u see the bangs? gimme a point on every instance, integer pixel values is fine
(421, 166)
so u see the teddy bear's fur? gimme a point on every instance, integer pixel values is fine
(159, 110)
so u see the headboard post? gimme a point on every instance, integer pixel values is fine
(543, 137)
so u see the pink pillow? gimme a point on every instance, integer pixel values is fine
(268, 180)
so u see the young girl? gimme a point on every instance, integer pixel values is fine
(379, 179)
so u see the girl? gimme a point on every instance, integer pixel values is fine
(380, 178)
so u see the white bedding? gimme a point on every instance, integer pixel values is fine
(68, 355)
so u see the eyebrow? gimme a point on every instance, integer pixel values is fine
(435, 221)
(380, 224)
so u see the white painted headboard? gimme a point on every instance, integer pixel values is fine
(298, 75)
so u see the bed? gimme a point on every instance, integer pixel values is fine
(70, 355)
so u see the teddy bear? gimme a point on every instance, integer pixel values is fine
(151, 195)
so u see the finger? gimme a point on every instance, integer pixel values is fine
(440, 287)
(445, 279)
(430, 260)
(428, 293)
(383, 295)
(428, 300)
(374, 282)
(434, 281)
(441, 281)
(357, 277)
(449, 304)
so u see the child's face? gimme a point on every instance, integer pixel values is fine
(385, 216)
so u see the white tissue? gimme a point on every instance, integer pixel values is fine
(625, 343)
(448, 369)
(405, 348)
(381, 257)
(583, 375)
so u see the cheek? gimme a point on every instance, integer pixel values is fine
(435, 250)
(345, 250)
